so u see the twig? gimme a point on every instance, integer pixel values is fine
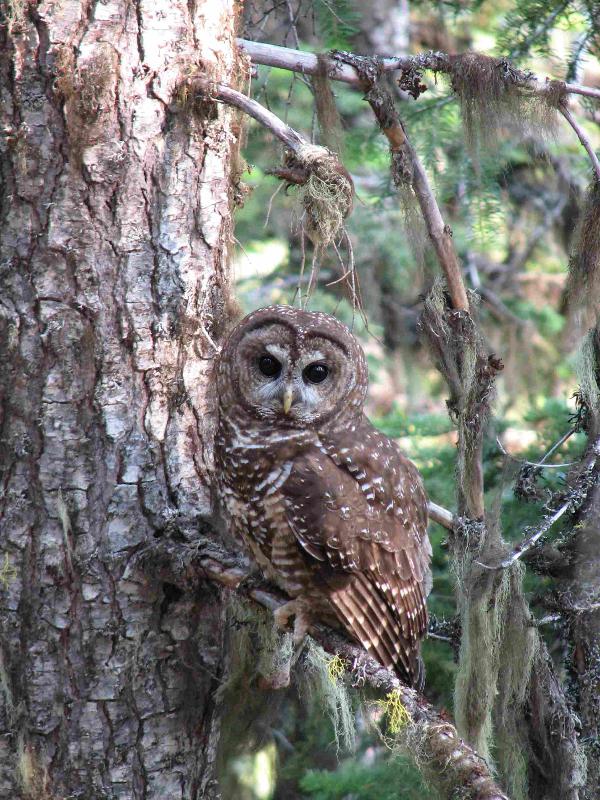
(451, 762)
(565, 437)
(562, 107)
(540, 464)
(271, 55)
(526, 545)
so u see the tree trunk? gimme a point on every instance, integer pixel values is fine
(116, 214)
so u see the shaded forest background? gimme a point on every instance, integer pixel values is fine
(513, 193)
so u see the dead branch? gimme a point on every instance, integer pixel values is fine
(529, 542)
(220, 91)
(271, 55)
(348, 72)
(582, 136)
(448, 761)
(575, 498)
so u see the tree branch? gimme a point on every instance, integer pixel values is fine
(449, 762)
(439, 233)
(441, 515)
(271, 55)
(308, 64)
(220, 91)
(562, 107)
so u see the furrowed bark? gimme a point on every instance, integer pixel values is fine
(115, 224)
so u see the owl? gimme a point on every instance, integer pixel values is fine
(330, 509)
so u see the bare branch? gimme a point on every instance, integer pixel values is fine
(441, 515)
(439, 232)
(562, 107)
(450, 763)
(526, 545)
(220, 91)
(271, 55)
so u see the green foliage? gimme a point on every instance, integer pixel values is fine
(379, 781)
(337, 21)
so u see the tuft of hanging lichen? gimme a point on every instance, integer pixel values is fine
(326, 195)
(582, 294)
(494, 95)
(328, 116)
(322, 684)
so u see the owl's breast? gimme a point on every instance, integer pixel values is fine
(250, 480)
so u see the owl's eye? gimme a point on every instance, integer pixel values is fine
(315, 373)
(269, 366)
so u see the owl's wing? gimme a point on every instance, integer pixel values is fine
(357, 506)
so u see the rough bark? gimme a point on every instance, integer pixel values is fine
(115, 221)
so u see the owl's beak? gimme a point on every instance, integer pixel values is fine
(288, 399)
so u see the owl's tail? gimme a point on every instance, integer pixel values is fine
(388, 629)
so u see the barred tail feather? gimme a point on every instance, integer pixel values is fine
(371, 617)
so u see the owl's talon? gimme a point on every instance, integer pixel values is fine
(302, 619)
(252, 580)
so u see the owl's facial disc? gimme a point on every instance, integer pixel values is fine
(293, 376)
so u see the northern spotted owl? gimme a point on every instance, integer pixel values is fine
(332, 511)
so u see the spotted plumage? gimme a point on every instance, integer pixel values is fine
(328, 506)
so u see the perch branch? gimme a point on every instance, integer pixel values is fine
(441, 515)
(562, 107)
(449, 761)
(271, 55)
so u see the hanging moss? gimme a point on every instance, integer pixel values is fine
(413, 223)
(328, 116)
(583, 283)
(320, 682)
(494, 95)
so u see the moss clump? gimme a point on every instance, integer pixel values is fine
(327, 194)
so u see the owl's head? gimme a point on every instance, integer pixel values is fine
(293, 367)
